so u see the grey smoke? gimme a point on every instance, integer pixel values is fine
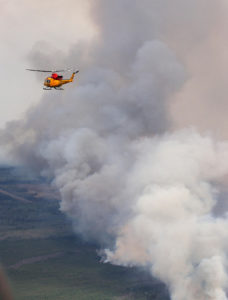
(146, 193)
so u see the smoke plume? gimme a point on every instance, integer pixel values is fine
(147, 193)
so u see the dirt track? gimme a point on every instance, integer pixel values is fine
(33, 260)
(14, 196)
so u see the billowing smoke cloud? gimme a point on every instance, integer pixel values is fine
(146, 193)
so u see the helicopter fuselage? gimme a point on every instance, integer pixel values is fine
(57, 81)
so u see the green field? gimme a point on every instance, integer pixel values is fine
(45, 260)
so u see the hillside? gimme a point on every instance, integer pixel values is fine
(45, 260)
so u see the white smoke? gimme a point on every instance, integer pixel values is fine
(171, 228)
(147, 194)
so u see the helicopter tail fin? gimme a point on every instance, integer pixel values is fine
(72, 76)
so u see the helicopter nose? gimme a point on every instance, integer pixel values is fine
(47, 82)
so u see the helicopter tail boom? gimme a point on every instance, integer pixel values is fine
(72, 76)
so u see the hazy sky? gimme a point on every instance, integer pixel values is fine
(198, 39)
(23, 24)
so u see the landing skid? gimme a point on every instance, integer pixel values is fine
(56, 88)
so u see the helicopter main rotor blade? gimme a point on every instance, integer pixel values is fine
(38, 70)
(48, 71)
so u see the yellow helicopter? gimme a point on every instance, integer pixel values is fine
(55, 81)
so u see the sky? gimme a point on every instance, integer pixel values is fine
(25, 25)
(28, 25)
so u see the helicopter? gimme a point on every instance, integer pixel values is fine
(55, 81)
